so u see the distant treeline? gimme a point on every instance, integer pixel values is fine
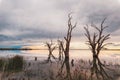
(15, 49)
(47, 49)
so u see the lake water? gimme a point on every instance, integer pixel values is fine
(110, 56)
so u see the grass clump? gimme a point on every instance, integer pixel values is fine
(15, 64)
(1, 64)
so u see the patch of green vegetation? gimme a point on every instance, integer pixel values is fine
(1, 64)
(15, 64)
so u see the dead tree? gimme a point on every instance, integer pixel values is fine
(51, 47)
(61, 55)
(96, 43)
(66, 48)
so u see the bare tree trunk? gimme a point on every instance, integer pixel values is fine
(51, 48)
(61, 57)
(67, 47)
(96, 43)
(67, 64)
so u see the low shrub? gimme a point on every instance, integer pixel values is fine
(1, 64)
(15, 64)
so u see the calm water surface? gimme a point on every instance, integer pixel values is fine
(111, 56)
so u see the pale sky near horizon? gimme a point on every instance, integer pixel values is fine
(23, 21)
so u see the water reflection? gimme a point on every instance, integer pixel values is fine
(111, 56)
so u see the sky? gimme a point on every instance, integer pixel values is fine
(27, 22)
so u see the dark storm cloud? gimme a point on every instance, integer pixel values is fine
(48, 18)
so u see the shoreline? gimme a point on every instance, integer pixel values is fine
(2, 49)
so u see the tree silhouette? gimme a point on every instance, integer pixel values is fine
(51, 47)
(66, 48)
(61, 55)
(96, 43)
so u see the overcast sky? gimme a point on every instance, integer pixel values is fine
(37, 19)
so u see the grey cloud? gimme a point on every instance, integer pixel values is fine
(96, 11)
(45, 18)
(36, 34)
